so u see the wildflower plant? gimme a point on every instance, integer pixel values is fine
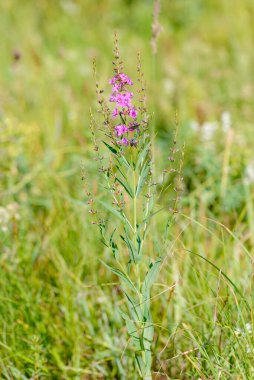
(123, 152)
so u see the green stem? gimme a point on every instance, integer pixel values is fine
(135, 227)
(134, 204)
(146, 376)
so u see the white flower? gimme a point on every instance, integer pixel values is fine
(208, 129)
(238, 331)
(226, 121)
(249, 349)
(248, 327)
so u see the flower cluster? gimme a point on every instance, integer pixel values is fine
(123, 108)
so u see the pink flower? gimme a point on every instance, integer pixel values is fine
(124, 108)
(121, 129)
(125, 79)
(115, 113)
(124, 141)
(116, 88)
(133, 112)
(121, 79)
(122, 99)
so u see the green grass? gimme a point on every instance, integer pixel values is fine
(58, 316)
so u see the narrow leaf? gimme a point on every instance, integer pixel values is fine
(151, 275)
(113, 245)
(131, 248)
(132, 330)
(134, 308)
(126, 186)
(123, 161)
(148, 282)
(121, 275)
(120, 171)
(143, 154)
(148, 333)
(142, 178)
(112, 210)
(111, 148)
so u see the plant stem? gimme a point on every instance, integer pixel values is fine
(135, 227)
(147, 375)
(134, 203)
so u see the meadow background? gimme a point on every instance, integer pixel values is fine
(58, 303)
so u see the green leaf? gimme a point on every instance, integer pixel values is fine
(134, 308)
(148, 356)
(113, 245)
(148, 282)
(123, 161)
(132, 330)
(102, 232)
(143, 154)
(126, 186)
(112, 210)
(120, 171)
(111, 148)
(134, 252)
(121, 275)
(142, 178)
(151, 275)
(144, 368)
(139, 241)
(148, 333)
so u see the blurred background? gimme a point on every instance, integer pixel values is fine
(56, 318)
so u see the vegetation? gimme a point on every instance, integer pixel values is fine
(58, 310)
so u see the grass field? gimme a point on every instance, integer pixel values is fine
(58, 317)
